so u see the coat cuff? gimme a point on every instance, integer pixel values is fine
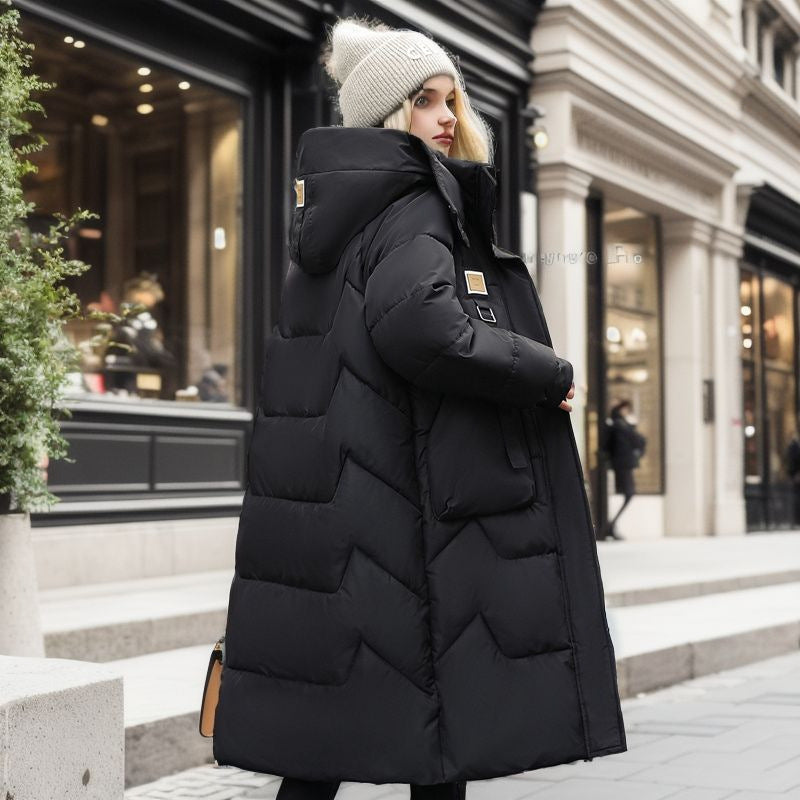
(558, 387)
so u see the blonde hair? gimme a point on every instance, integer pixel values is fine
(472, 136)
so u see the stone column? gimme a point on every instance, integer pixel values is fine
(751, 29)
(796, 69)
(688, 439)
(562, 191)
(788, 71)
(728, 511)
(767, 46)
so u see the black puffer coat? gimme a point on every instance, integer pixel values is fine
(417, 596)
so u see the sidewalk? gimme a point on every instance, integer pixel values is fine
(734, 735)
(654, 570)
(678, 609)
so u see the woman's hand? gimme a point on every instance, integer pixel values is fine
(570, 394)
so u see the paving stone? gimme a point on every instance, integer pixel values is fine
(793, 795)
(750, 734)
(756, 758)
(606, 768)
(677, 711)
(725, 720)
(769, 710)
(513, 787)
(581, 789)
(790, 742)
(225, 794)
(778, 779)
(681, 728)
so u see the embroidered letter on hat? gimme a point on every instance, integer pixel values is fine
(416, 52)
(476, 284)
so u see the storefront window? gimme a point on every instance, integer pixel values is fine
(158, 156)
(770, 395)
(633, 328)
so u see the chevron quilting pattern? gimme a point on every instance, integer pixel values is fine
(338, 622)
(346, 333)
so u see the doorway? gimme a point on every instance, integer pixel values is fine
(624, 347)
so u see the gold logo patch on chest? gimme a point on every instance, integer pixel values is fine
(300, 191)
(476, 283)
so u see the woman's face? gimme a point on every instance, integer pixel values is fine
(432, 112)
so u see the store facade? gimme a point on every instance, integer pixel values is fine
(770, 312)
(667, 194)
(177, 124)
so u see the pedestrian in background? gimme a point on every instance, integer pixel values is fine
(793, 471)
(624, 446)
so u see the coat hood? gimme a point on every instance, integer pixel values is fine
(345, 177)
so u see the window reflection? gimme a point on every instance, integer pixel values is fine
(157, 155)
(778, 332)
(632, 328)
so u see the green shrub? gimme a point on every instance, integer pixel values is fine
(35, 355)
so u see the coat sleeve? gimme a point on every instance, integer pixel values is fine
(421, 331)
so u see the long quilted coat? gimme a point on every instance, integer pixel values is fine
(416, 595)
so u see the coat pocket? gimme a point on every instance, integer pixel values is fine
(478, 459)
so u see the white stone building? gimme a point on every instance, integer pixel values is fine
(674, 155)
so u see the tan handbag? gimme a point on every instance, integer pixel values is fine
(208, 707)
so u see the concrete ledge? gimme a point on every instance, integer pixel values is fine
(162, 712)
(659, 644)
(61, 730)
(678, 591)
(126, 639)
(109, 621)
(164, 746)
(637, 572)
(661, 668)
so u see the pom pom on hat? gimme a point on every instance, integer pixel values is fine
(377, 68)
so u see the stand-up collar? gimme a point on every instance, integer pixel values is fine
(351, 174)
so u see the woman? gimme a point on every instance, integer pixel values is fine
(625, 446)
(417, 596)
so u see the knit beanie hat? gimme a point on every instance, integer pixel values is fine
(378, 67)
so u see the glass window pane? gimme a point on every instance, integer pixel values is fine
(778, 326)
(780, 421)
(750, 348)
(632, 326)
(158, 156)
(779, 337)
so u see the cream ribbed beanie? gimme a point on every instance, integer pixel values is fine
(378, 68)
